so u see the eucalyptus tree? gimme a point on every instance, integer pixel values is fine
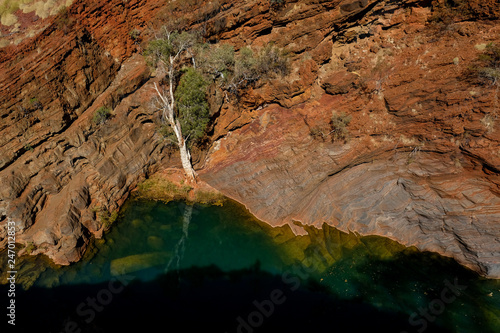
(186, 67)
(167, 52)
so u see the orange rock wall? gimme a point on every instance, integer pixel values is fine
(420, 164)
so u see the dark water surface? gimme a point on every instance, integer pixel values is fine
(181, 268)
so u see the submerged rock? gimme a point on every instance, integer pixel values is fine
(155, 242)
(136, 223)
(138, 262)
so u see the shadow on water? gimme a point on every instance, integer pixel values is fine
(201, 299)
(435, 289)
(225, 268)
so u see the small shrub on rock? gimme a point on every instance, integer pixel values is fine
(101, 115)
(487, 65)
(339, 123)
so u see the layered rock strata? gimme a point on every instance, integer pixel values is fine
(419, 162)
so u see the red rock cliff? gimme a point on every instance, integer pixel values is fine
(420, 164)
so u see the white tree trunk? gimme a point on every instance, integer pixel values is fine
(169, 116)
(184, 151)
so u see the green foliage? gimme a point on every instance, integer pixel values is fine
(245, 68)
(101, 115)
(134, 34)
(249, 67)
(169, 44)
(63, 11)
(234, 72)
(487, 65)
(219, 25)
(158, 50)
(209, 198)
(217, 61)
(35, 103)
(192, 104)
(107, 218)
(246, 62)
(185, 188)
(158, 188)
(276, 4)
(317, 133)
(337, 131)
(172, 49)
(272, 61)
(448, 11)
(339, 123)
(63, 20)
(28, 147)
(168, 135)
(184, 40)
(29, 248)
(413, 155)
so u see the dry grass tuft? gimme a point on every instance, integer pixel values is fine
(159, 188)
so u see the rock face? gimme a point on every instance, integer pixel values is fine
(420, 163)
(59, 169)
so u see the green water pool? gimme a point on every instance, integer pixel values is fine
(219, 269)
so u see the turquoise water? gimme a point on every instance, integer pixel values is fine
(218, 269)
(151, 231)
